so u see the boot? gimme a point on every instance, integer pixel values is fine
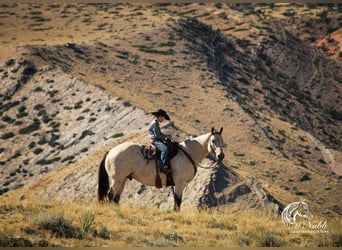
(165, 169)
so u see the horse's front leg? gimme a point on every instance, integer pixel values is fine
(178, 193)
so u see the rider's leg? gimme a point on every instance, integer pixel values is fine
(164, 153)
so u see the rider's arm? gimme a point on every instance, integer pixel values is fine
(155, 133)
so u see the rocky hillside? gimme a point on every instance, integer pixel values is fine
(86, 77)
(55, 119)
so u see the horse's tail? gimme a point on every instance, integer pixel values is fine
(103, 181)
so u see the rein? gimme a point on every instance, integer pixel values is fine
(189, 158)
(215, 163)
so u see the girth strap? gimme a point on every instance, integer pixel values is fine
(189, 158)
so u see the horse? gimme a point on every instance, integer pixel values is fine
(125, 161)
(294, 210)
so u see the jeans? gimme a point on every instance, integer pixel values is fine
(164, 151)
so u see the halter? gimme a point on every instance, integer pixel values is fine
(214, 164)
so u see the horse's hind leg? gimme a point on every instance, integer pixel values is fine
(116, 191)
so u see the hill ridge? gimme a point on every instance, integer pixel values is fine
(247, 76)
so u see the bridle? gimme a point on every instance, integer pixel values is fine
(212, 149)
(214, 164)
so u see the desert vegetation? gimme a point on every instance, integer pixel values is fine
(50, 224)
(77, 79)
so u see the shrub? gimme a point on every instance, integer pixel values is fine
(244, 240)
(271, 240)
(118, 135)
(8, 119)
(86, 133)
(83, 150)
(127, 104)
(38, 107)
(103, 233)
(22, 114)
(44, 162)
(7, 135)
(68, 158)
(59, 226)
(38, 151)
(87, 222)
(33, 127)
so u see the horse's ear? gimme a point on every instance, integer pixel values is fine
(221, 130)
(212, 130)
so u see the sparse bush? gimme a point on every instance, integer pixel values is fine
(127, 104)
(7, 135)
(68, 158)
(22, 114)
(117, 135)
(271, 240)
(14, 242)
(87, 221)
(244, 241)
(59, 226)
(322, 161)
(7, 119)
(86, 133)
(37, 151)
(78, 105)
(38, 107)
(103, 233)
(44, 162)
(83, 150)
(10, 62)
(33, 127)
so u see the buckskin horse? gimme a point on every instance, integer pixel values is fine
(126, 161)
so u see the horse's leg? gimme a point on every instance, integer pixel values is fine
(116, 190)
(178, 196)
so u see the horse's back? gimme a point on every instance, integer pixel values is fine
(124, 150)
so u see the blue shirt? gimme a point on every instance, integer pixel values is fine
(154, 132)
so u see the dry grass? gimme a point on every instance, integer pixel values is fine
(197, 107)
(71, 224)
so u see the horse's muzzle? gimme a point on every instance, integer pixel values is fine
(220, 157)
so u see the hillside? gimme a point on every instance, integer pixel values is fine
(77, 79)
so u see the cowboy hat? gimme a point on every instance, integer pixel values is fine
(161, 112)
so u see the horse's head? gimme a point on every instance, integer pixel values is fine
(215, 144)
(296, 212)
(303, 210)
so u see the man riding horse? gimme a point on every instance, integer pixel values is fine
(158, 138)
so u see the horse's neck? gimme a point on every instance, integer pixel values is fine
(198, 147)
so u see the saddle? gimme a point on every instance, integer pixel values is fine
(151, 152)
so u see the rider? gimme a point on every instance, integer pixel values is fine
(158, 137)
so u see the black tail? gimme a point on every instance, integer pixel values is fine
(103, 182)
